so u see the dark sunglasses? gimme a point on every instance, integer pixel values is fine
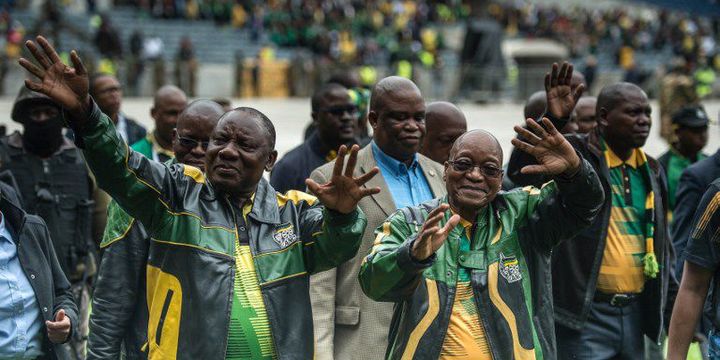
(466, 166)
(192, 143)
(340, 110)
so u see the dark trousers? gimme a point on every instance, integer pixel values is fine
(609, 333)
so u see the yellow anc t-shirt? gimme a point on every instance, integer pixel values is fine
(621, 271)
(249, 334)
(465, 337)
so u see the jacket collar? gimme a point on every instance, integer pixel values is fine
(265, 207)
(14, 217)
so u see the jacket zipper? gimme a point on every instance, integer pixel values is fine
(163, 314)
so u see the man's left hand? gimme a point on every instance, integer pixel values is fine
(553, 152)
(344, 191)
(58, 330)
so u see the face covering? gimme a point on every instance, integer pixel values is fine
(43, 138)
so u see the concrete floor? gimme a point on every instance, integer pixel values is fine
(290, 117)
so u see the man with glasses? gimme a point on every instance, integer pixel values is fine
(335, 118)
(106, 90)
(613, 283)
(119, 318)
(469, 272)
(227, 274)
(347, 323)
(168, 102)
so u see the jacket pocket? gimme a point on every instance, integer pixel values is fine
(164, 299)
(347, 315)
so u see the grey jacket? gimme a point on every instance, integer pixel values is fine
(38, 260)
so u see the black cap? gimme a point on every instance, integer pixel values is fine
(25, 100)
(691, 116)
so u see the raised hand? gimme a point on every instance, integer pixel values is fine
(68, 86)
(344, 191)
(561, 96)
(553, 152)
(432, 236)
(59, 329)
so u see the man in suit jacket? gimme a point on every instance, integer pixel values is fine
(347, 323)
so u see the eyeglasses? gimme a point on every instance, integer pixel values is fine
(340, 110)
(192, 143)
(466, 167)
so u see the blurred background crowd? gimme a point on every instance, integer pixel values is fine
(472, 50)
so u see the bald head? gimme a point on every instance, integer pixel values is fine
(477, 139)
(444, 113)
(623, 115)
(203, 110)
(444, 123)
(584, 114)
(168, 103)
(397, 116)
(474, 177)
(168, 92)
(612, 95)
(194, 126)
(391, 86)
(535, 105)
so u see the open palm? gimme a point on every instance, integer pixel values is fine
(343, 192)
(553, 152)
(68, 86)
(561, 96)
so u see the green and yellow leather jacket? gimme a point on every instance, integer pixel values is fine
(193, 232)
(509, 258)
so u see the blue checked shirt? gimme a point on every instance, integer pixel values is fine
(20, 319)
(407, 185)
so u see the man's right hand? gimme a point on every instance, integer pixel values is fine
(68, 86)
(561, 96)
(431, 235)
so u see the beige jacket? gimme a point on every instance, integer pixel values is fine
(347, 324)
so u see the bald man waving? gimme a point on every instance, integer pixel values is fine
(469, 273)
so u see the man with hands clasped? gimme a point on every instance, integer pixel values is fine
(469, 272)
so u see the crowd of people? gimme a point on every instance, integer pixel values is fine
(417, 239)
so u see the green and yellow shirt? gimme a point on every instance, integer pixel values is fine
(621, 270)
(465, 337)
(249, 336)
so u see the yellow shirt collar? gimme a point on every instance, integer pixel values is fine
(156, 147)
(634, 161)
(247, 207)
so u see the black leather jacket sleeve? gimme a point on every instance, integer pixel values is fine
(117, 293)
(570, 210)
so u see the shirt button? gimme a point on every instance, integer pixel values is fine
(449, 273)
(242, 228)
(32, 276)
(627, 191)
(44, 309)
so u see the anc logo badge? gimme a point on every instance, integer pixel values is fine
(510, 268)
(285, 235)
